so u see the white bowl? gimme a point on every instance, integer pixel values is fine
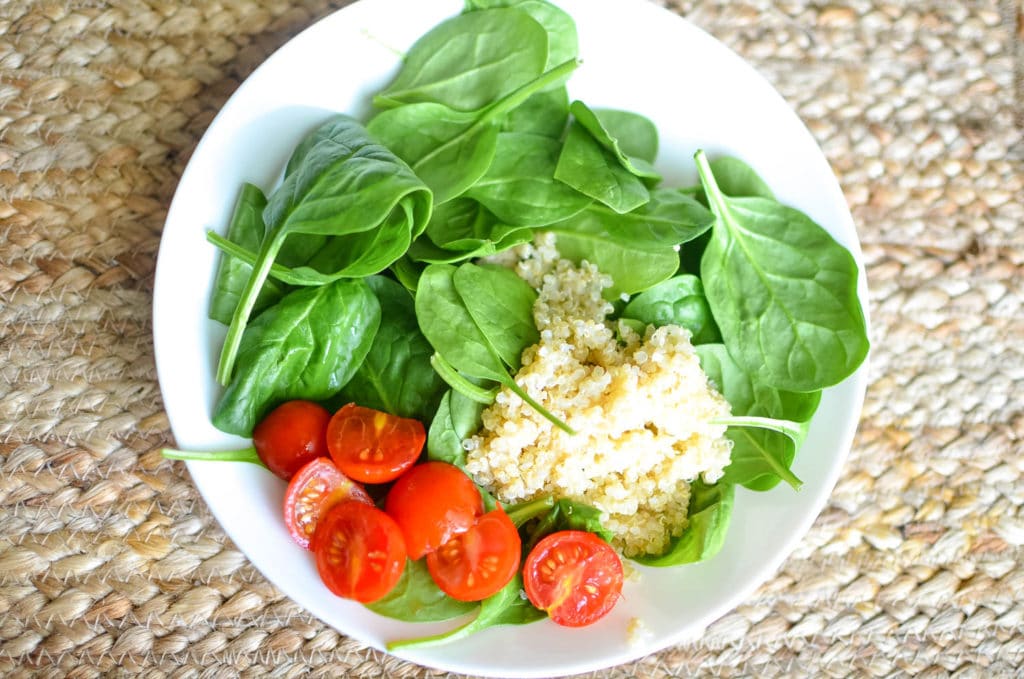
(635, 56)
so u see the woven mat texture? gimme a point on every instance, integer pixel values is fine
(110, 563)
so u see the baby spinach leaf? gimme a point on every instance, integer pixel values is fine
(306, 346)
(245, 231)
(783, 292)
(710, 510)
(760, 457)
(406, 272)
(396, 375)
(632, 138)
(470, 61)
(520, 187)
(563, 42)
(737, 179)
(501, 305)
(457, 418)
(545, 113)
(508, 607)
(632, 269)
(465, 226)
(417, 598)
(462, 385)
(568, 515)
(668, 219)
(346, 184)
(595, 171)
(678, 301)
(452, 149)
(452, 330)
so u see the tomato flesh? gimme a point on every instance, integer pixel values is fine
(372, 446)
(478, 563)
(313, 490)
(432, 502)
(290, 436)
(573, 575)
(360, 553)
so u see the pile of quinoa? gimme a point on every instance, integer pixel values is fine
(641, 407)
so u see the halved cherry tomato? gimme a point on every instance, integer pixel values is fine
(372, 446)
(432, 502)
(359, 551)
(476, 564)
(573, 575)
(292, 434)
(313, 490)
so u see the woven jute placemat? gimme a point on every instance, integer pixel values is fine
(110, 563)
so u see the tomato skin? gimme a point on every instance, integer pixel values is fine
(371, 446)
(478, 563)
(573, 575)
(292, 434)
(313, 490)
(432, 502)
(360, 553)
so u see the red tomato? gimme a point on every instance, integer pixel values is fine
(573, 575)
(476, 564)
(432, 502)
(359, 551)
(371, 446)
(313, 490)
(290, 436)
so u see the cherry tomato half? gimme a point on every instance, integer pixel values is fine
(573, 575)
(432, 502)
(359, 551)
(476, 564)
(313, 490)
(371, 446)
(292, 434)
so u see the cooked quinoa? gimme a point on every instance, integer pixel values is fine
(641, 407)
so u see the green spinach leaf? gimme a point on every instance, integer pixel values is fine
(545, 113)
(760, 457)
(396, 376)
(710, 510)
(245, 231)
(508, 607)
(470, 61)
(457, 418)
(595, 171)
(678, 301)
(632, 269)
(501, 305)
(783, 292)
(563, 42)
(520, 188)
(416, 598)
(568, 515)
(346, 185)
(307, 346)
(632, 138)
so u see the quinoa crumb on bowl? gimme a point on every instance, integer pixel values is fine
(641, 405)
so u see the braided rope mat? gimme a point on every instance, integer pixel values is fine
(110, 562)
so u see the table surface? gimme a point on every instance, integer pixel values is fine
(109, 560)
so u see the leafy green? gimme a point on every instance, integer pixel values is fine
(632, 269)
(760, 457)
(456, 419)
(470, 61)
(783, 292)
(632, 138)
(678, 301)
(709, 512)
(448, 148)
(519, 187)
(396, 375)
(545, 113)
(246, 231)
(567, 514)
(308, 346)
(417, 598)
(594, 171)
(508, 607)
(349, 188)
(464, 332)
